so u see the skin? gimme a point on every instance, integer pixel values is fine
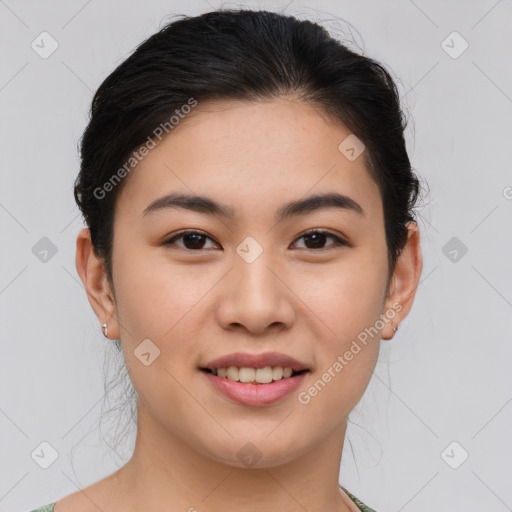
(305, 300)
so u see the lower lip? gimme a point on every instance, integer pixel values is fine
(255, 394)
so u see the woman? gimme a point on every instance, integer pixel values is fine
(250, 240)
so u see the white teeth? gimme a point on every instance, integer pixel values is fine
(232, 373)
(258, 375)
(263, 375)
(246, 374)
(277, 373)
(287, 372)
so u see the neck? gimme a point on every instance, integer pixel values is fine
(166, 473)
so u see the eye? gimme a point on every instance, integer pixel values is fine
(195, 240)
(317, 239)
(192, 240)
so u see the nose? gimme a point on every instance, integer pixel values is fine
(256, 297)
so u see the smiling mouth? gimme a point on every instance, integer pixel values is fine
(247, 375)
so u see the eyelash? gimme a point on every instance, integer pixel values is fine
(338, 241)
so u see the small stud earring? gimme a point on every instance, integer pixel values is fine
(394, 328)
(104, 328)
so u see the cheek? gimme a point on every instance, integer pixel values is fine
(347, 305)
(162, 304)
(347, 298)
(153, 295)
(165, 304)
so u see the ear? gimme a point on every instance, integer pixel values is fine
(94, 278)
(404, 281)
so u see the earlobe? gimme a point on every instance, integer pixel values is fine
(404, 281)
(91, 270)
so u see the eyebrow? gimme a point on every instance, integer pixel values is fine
(208, 206)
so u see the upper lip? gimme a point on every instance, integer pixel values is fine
(240, 359)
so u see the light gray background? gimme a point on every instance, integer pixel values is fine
(445, 376)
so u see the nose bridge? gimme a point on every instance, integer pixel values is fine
(254, 297)
(254, 280)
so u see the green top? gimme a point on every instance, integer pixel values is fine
(360, 504)
(45, 508)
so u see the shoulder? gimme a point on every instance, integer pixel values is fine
(45, 508)
(364, 508)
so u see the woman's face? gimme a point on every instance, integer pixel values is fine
(251, 284)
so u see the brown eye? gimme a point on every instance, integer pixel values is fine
(316, 239)
(192, 240)
(196, 240)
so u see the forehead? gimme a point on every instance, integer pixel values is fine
(250, 154)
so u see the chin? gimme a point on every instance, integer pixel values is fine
(259, 452)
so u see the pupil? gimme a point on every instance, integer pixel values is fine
(315, 237)
(196, 240)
